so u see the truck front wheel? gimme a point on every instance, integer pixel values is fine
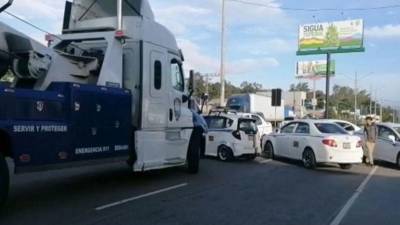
(4, 180)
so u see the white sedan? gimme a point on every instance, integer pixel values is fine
(313, 142)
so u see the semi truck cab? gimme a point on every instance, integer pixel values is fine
(110, 87)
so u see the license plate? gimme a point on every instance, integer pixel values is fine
(251, 138)
(346, 145)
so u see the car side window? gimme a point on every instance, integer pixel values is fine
(258, 120)
(288, 129)
(218, 122)
(346, 126)
(303, 128)
(385, 133)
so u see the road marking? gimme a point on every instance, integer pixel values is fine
(343, 212)
(264, 161)
(140, 196)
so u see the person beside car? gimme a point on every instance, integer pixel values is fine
(370, 138)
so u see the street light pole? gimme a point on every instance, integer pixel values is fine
(222, 68)
(355, 96)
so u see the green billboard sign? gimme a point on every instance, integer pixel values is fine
(337, 37)
(314, 69)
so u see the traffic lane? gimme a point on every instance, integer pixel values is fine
(244, 193)
(379, 203)
(57, 196)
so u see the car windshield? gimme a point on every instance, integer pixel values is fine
(329, 128)
(248, 126)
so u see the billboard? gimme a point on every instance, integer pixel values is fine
(312, 69)
(335, 37)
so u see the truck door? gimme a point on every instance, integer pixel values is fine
(180, 122)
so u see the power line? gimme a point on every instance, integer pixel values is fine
(316, 9)
(29, 23)
(40, 29)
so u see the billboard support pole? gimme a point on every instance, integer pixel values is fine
(314, 101)
(328, 66)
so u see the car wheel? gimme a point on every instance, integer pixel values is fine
(345, 166)
(398, 161)
(225, 153)
(4, 180)
(269, 151)
(309, 161)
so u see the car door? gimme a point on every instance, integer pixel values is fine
(300, 140)
(385, 149)
(283, 140)
(217, 133)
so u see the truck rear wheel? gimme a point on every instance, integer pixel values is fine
(193, 155)
(4, 180)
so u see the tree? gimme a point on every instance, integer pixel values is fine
(250, 87)
(300, 87)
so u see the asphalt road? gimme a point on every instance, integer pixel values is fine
(244, 192)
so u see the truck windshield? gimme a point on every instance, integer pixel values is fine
(94, 9)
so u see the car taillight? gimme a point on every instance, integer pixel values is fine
(330, 142)
(359, 144)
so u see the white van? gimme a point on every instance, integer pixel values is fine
(231, 136)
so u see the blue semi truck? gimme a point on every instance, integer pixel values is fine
(110, 87)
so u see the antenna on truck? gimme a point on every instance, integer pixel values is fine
(5, 6)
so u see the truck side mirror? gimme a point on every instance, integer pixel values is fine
(192, 82)
(393, 139)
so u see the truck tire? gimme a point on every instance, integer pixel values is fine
(193, 155)
(4, 181)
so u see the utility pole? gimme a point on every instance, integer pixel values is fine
(355, 96)
(222, 69)
(328, 77)
(370, 100)
(314, 101)
(380, 113)
(376, 100)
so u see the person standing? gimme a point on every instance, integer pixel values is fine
(370, 138)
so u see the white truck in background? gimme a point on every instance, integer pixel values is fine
(258, 104)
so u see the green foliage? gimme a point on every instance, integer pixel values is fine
(300, 87)
(230, 89)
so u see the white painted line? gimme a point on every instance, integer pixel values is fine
(343, 212)
(140, 196)
(265, 161)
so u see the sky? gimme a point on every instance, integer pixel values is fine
(261, 43)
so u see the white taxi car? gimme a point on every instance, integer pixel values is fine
(230, 136)
(313, 142)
